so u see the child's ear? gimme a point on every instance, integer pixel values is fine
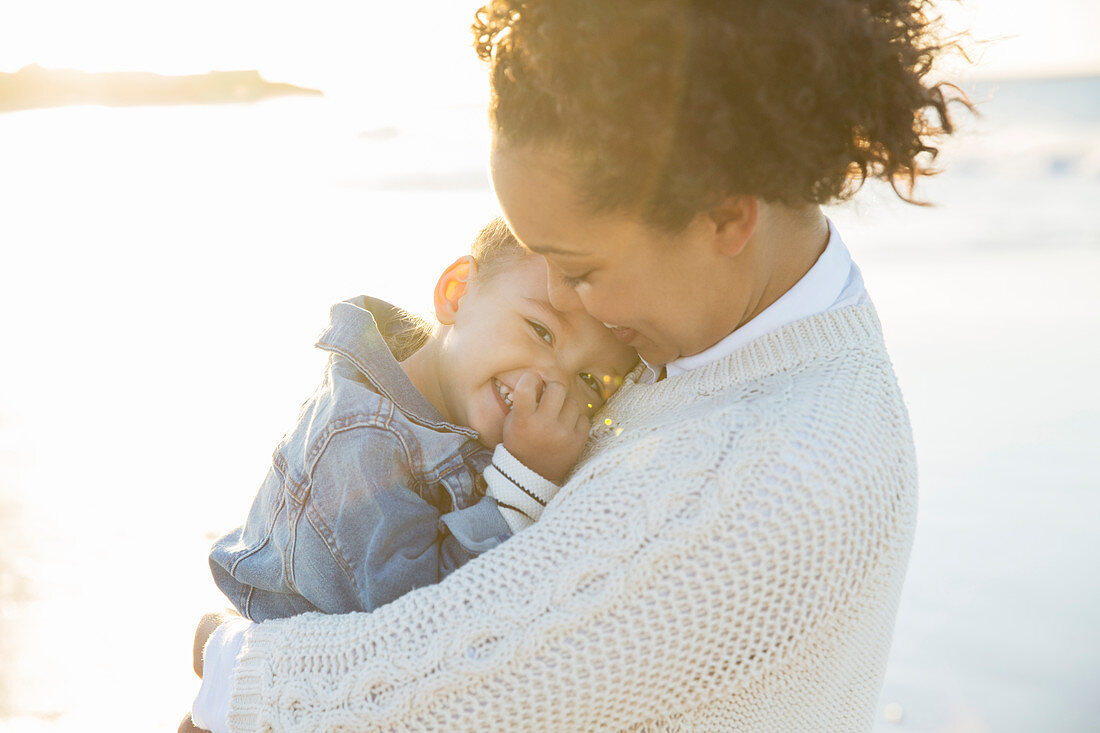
(453, 284)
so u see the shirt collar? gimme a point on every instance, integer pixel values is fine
(814, 293)
(358, 330)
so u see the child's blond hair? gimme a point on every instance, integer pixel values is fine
(493, 249)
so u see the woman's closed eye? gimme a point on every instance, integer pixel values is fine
(574, 281)
(541, 331)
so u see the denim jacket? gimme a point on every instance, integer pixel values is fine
(371, 495)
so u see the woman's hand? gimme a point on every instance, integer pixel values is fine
(206, 627)
(187, 726)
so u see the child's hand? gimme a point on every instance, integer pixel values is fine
(546, 429)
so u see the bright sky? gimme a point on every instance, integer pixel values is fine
(1031, 38)
(325, 43)
(328, 43)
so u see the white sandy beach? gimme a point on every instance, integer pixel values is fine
(167, 269)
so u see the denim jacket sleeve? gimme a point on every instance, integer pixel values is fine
(352, 534)
(367, 535)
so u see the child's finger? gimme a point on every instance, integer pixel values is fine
(570, 411)
(553, 397)
(525, 395)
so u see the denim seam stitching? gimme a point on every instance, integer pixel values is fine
(241, 557)
(328, 536)
(435, 424)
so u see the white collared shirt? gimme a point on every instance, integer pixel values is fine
(833, 282)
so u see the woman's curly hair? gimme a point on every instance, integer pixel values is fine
(666, 106)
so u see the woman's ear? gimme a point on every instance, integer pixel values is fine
(734, 220)
(453, 284)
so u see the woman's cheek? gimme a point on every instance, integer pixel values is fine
(603, 305)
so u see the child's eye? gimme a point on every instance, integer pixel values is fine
(592, 383)
(542, 332)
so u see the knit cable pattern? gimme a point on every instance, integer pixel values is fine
(727, 556)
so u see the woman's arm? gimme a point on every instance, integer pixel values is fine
(520, 492)
(218, 641)
(633, 598)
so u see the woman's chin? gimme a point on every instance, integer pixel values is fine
(653, 354)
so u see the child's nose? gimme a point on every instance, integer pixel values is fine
(551, 372)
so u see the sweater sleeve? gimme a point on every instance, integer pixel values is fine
(636, 597)
(520, 493)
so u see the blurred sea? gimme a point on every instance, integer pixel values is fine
(166, 269)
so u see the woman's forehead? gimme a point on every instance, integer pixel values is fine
(544, 210)
(539, 202)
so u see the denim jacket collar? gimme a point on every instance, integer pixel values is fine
(355, 333)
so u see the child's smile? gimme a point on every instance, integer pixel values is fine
(504, 327)
(505, 393)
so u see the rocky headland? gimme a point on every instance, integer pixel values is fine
(34, 86)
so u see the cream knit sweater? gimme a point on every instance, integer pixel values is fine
(727, 556)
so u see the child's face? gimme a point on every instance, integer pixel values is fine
(504, 326)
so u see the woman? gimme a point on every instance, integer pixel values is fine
(730, 551)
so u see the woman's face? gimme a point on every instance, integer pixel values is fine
(666, 295)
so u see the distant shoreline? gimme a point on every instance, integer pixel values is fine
(35, 87)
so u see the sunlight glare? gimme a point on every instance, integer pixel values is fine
(364, 49)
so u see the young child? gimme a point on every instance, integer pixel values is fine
(378, 488)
